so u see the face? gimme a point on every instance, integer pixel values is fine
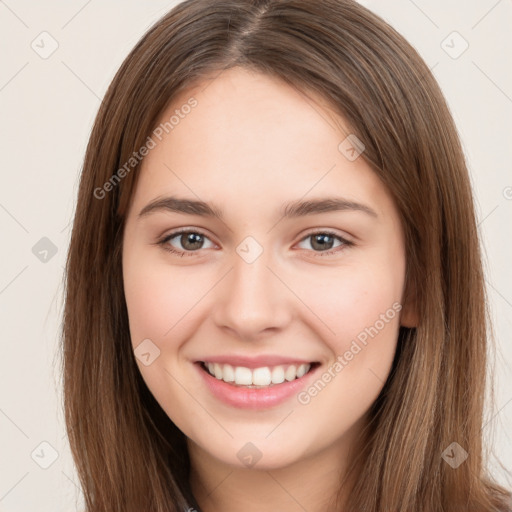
(256, 286)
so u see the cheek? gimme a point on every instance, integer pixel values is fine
(349, 300)
(159, 299)
(148, 306)
(362, 308)
(160, 307)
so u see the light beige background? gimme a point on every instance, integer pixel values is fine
(47, 109)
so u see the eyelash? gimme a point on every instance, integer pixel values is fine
(165, 245)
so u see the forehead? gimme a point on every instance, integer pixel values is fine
(252, 139)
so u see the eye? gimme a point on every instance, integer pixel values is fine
(190, 240)
(324, 240)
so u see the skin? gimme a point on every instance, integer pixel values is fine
(250, 145)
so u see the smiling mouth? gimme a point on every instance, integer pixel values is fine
(257, 378)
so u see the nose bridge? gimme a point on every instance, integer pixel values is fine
(252, 298)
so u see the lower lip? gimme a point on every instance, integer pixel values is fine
(254, 398)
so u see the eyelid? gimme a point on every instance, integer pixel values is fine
(345, 242)
(328, 231)
(163, 240)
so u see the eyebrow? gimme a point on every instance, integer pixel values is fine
(292, 209)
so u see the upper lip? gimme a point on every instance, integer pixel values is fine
(255, 361)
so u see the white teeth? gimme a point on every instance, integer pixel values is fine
(228, 374)
(290, 373)
(302, 370)
(217, 370)
(243, 376)
(278, 375)
(261, 377)
(264, 376)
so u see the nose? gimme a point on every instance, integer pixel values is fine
(252, 301)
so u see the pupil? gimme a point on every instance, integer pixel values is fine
(191, 238)
(320, 240)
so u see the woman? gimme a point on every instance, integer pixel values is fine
(216, 357)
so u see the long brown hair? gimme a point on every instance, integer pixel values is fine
(129, 455)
